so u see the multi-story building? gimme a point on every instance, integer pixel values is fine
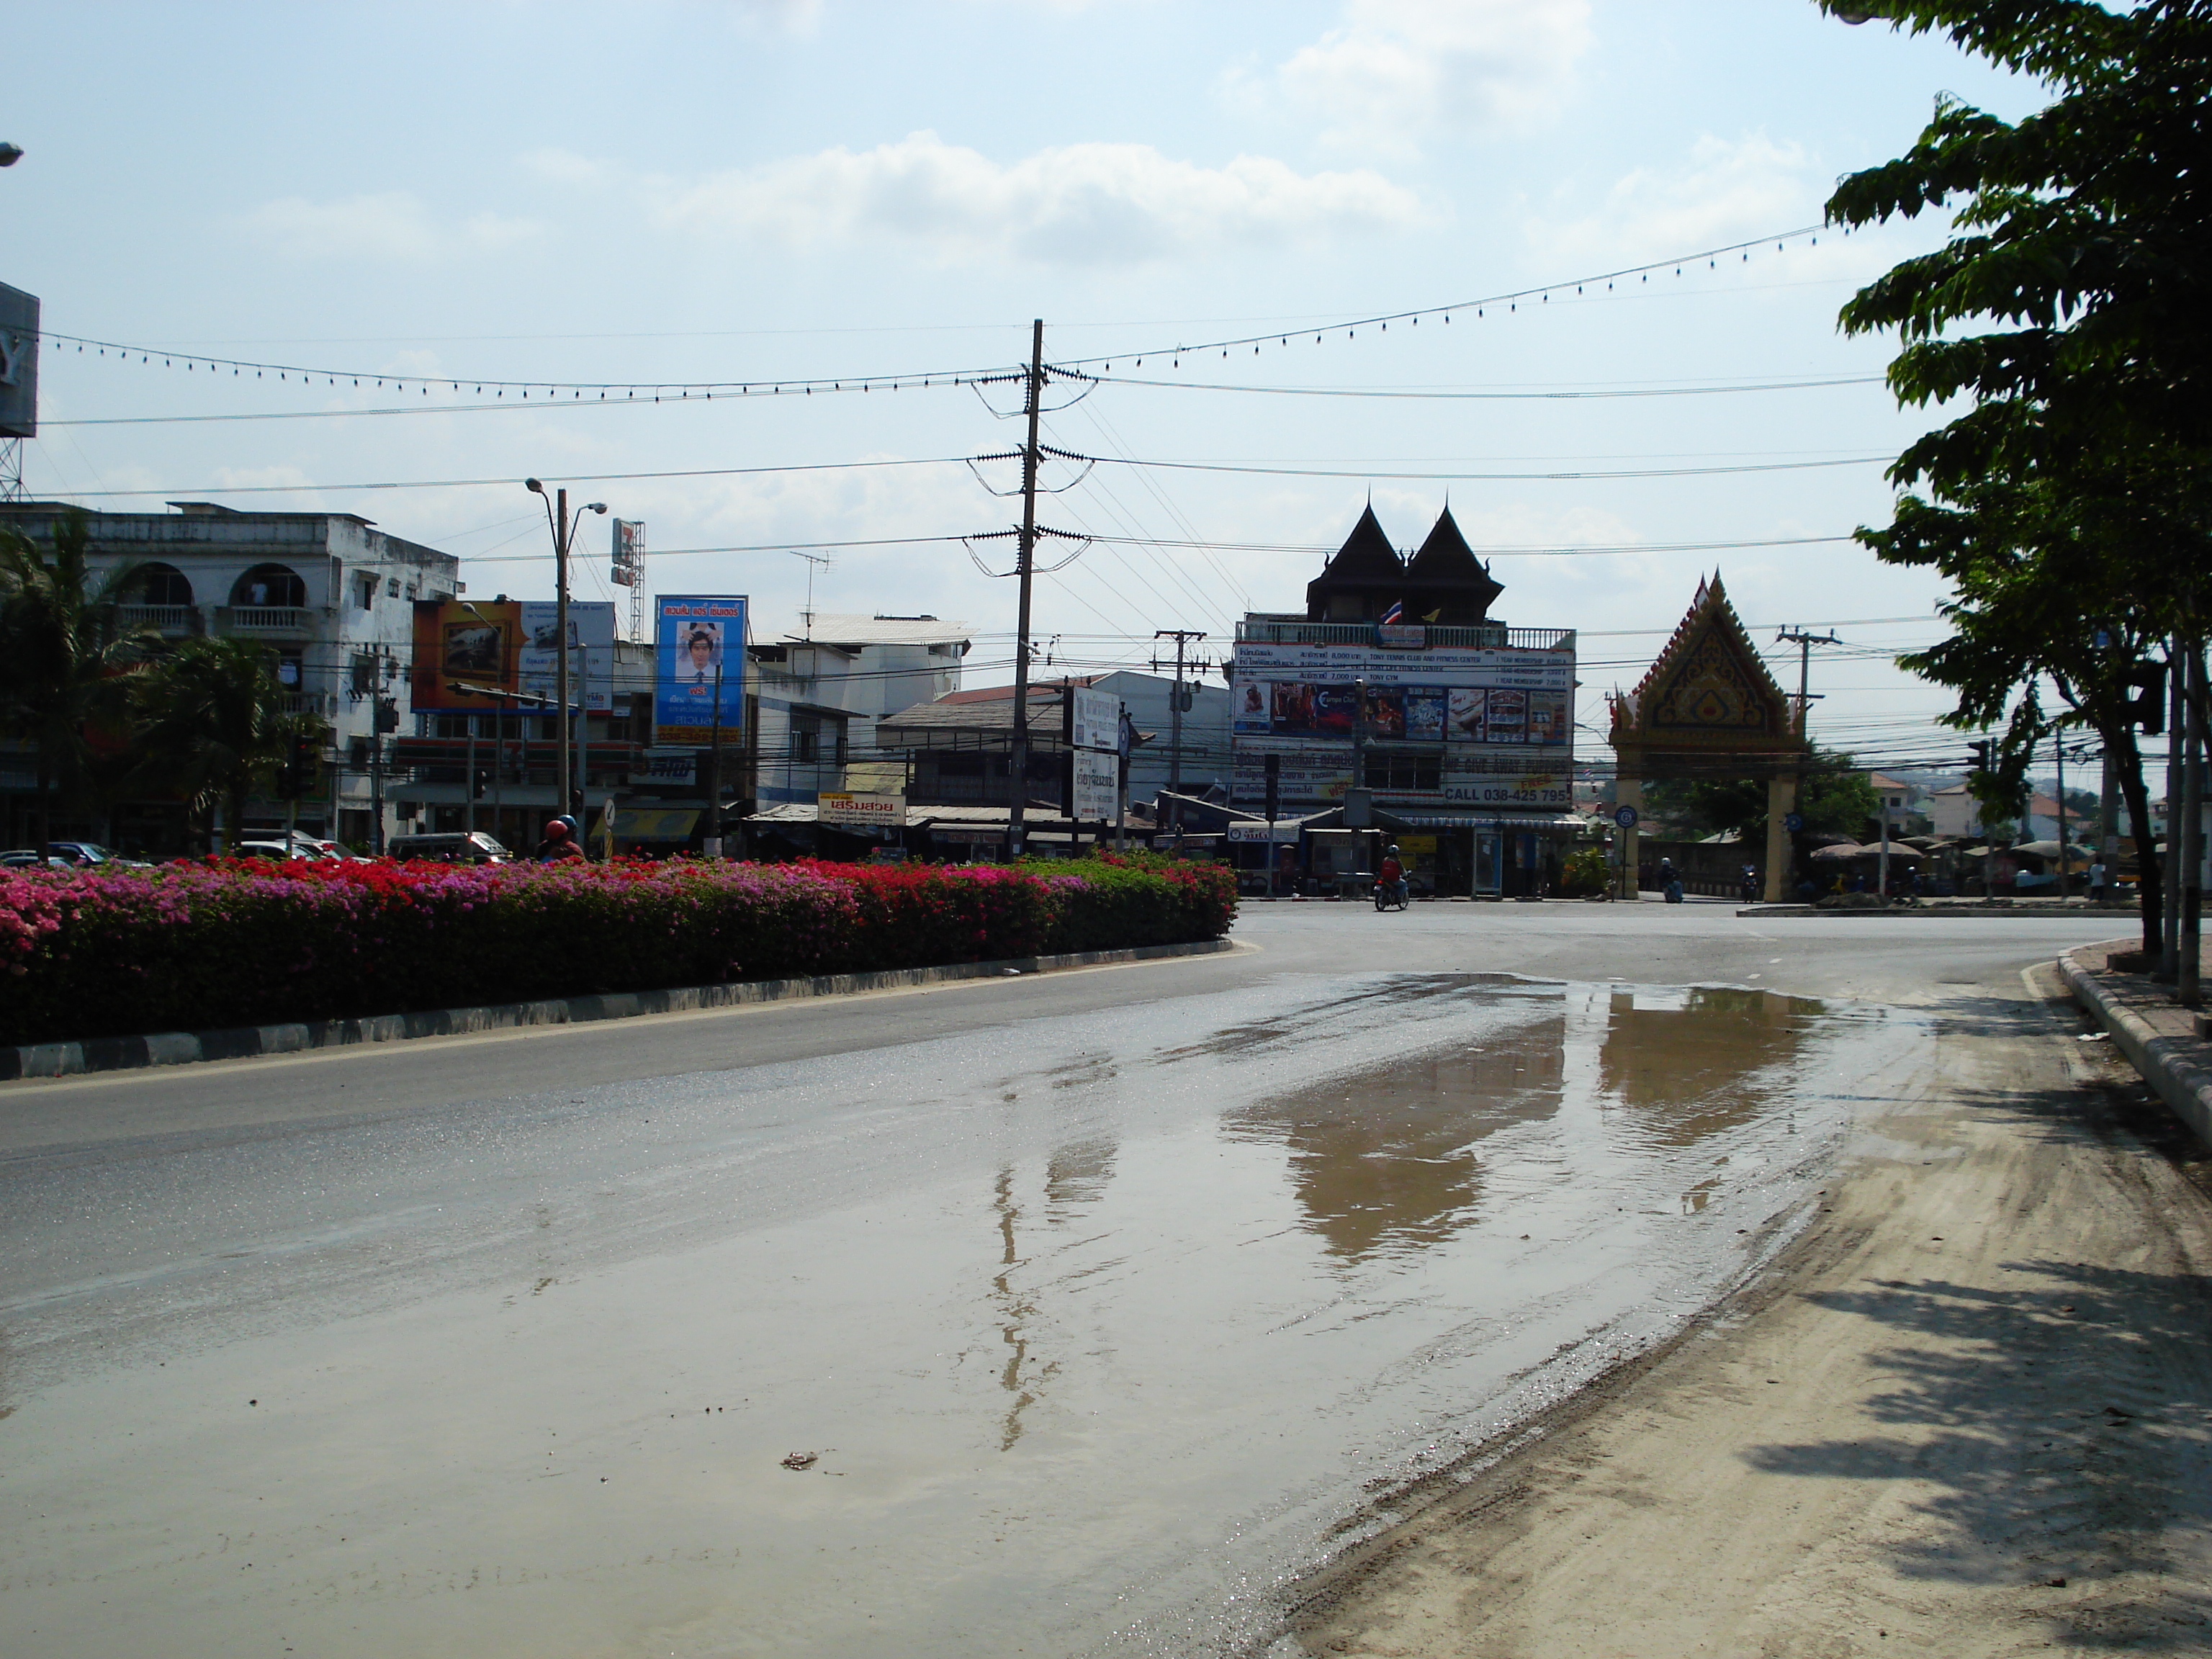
(1397, 696)
(957, 750)
(815, 696)
(329, 593)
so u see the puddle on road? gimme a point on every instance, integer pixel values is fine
(1096, 1327)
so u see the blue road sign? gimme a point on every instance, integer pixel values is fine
(1793, 822)
(1625, 817)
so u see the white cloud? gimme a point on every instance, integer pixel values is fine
(1722, 192)
(1397, 71)
(392, 225)
(1090, 203)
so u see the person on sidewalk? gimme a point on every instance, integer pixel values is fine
(2098, 876)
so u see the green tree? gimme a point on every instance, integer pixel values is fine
(213, 727)
(65, 655)
(2070, 505)
(1832, 798)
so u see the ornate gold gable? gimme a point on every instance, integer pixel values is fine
(1708, 691)
(1707, 708)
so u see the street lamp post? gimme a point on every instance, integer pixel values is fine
(564, 526)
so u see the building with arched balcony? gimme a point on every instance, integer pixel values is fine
(332, 595)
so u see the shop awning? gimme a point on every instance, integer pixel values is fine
(654, 823)
(1521, 821)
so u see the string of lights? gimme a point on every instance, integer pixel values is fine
(1512, 299)
(543, 391)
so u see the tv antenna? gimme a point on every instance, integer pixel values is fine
(812, 560)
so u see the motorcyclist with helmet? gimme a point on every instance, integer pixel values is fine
(1390, 874)
(560, 843)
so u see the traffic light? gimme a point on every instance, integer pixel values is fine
(479, 781)
(1981, 753)
(2147, 708)
(303, 765)
(1274, 766)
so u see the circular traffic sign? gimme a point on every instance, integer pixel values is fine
(1625, 817)
(1793, 822)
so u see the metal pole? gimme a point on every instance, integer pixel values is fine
(469, 776)
(560, 655)
(583, 732)
(2169, 962)
(711, 843)
(2065, 880)
(375, 787)
(1017, 786)
(1881, 868)
(2186, 987)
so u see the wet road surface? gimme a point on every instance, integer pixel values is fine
(1086, 1306)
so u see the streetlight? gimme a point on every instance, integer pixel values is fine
(10, 154)
(564, 527)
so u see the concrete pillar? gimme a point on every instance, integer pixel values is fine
(1629, 792)
(1780, 801)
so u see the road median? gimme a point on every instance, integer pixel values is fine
(118, 1054)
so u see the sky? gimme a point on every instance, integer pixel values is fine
(647, 196)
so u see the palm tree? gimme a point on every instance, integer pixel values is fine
(212, 726)
(64, 654)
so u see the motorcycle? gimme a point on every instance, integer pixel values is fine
(1390, 898)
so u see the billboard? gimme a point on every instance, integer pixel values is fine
(1475, 727)
(695, 637)
(629, 554)
(1098, 786)
(474, 658)
(841, 809)
(18, 363)
(1096, 720)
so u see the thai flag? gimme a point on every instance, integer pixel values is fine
(1397, 610)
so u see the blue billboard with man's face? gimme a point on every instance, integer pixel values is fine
(699, 642)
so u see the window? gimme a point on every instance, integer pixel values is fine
(364, 674)
(365, 591)
(163, 585)
(270, 586)
(1404, 770)
(287, 670)
(390, 587)
(805, 744)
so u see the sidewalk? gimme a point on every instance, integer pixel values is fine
(2159, 1038)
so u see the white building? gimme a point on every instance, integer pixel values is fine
(330, 595)
(818, 693)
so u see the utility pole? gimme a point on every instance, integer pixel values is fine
(561, 633)
(1780, 851)
(1183, 637)
(2187, 989)
(2065, 874)
(1017, 787)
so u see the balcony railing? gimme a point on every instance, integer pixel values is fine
(307, 702)
(271, 619)
(162, 618)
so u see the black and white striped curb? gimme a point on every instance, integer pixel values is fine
(2169, 1063)
(50, 1059)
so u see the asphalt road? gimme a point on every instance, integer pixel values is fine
(1084, 1303)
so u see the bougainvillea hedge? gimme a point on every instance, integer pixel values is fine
(247, 942)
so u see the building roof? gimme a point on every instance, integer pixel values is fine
(850, 628)
(1005, 693)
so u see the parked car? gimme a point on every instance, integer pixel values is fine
(301, 848)
(29, 858)
(471, 847)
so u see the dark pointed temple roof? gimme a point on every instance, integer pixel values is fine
(1444, 583)
(1446, 574)
(1367, 555)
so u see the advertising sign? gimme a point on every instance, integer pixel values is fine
(1097, 784)
(843, 810)
(18, 363)
(464, 651)
(1494, 726)
(629, 555)
(695, 637)
(1098, 721)
(1285, 834)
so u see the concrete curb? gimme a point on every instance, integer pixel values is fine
(2167, 1063)
(53, 1059)
(1935, 910)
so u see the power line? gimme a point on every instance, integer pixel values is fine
(1484, 397)
(1456, 477)
(477, 483)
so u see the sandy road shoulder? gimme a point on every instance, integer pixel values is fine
(1968, 1411)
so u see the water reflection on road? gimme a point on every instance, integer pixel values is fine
(1094, 1327)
